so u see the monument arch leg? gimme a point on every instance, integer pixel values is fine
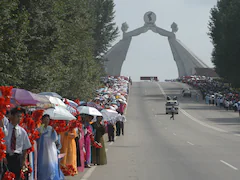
(177, 59)
(116, 56)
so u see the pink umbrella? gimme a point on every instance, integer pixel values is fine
(26, 98)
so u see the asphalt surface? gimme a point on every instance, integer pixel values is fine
(202, 143)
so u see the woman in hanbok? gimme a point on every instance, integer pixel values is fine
(99, 156)
(59, 147)
(81, 148)
(47, 164)
(69, 149)
(87, 139)
(78, 147)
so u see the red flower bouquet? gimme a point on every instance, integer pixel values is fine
(9, 176)
(68, 170)
(4, 104)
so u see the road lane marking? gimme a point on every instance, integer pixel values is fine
(106, 149)
(229, 165)
(237, 134)
(191, 117)
(174, 134)
(128, 97)
(161, 89)
(110, 143)
(88, 173)
(115, 138)
(190, 143)
(200, 122)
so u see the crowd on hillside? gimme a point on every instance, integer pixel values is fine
(215, 92)
(47, 137)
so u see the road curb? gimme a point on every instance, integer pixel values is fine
(129, 90)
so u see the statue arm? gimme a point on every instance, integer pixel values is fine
(162, 32)
(136, 32)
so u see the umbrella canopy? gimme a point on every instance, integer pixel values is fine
(97, 106)
(72, 110)
(72, 103)
(122, 101)
(59, 113)
(89, 110)
(56, 101)
(27, 98)
(53, 94)
(109, 114)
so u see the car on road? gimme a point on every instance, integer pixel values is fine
(169, 105)
(186, 92)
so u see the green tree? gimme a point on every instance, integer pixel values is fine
(53, 45)
(40, 43)
(13, 52)
(224, 27)
(75, 48)
(105, 30)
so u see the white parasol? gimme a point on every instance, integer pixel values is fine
(89, 110)
(109, 114)
(59, 113)
(56, 101)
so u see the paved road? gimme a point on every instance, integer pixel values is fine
(202, 143)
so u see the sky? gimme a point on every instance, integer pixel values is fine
(150, 54)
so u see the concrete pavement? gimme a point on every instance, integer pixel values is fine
(198, 145)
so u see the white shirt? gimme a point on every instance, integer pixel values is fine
(22, 140)
(121, 118)
(227, 104)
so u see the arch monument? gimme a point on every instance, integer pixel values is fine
(185, 60)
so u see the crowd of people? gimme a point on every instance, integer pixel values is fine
(215, 92)
(40, 142)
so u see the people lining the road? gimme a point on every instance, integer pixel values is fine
(99, 156)
(57, 152)
(120, 120)
(111, 128)
(215, 92)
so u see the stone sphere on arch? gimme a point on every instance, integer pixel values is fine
(150, 17)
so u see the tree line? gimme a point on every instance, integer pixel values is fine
(224, 31)
(55, 45)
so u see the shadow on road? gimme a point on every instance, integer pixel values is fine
(154, 96)
(161, 114)
(226, 121)
(236, 132)
(125, 146)
(202, 108)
